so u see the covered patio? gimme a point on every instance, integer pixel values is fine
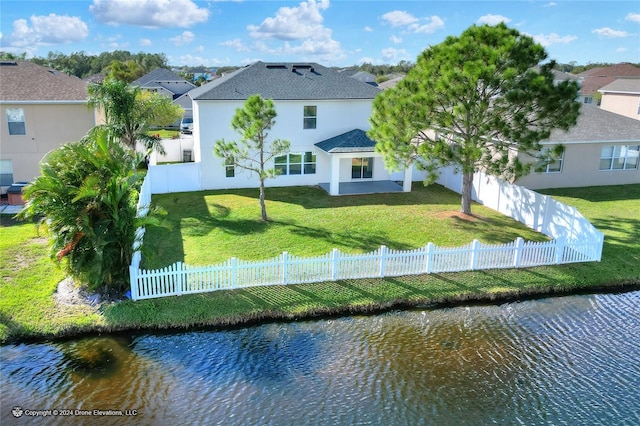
(356, 168)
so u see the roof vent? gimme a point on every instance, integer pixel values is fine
(8, 63)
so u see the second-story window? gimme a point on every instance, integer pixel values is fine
(15, 120)
(310, 116)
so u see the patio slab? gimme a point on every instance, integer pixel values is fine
(371, 187)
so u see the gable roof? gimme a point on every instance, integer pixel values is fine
(623, 85)
(353, 141)
(284, 81)
(156, 76)
(598, 77)
(598, 125)
(27, 81)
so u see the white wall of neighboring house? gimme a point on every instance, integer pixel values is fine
(213, 122)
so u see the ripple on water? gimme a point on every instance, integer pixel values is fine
(567, 360)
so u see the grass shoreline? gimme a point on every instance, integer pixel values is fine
(28, 311)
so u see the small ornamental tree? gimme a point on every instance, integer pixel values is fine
(253, 153)
(474, 102)
(86, 198)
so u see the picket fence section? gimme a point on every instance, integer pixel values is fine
(574, 240)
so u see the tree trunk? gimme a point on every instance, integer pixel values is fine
(263, 207)
(467, 185)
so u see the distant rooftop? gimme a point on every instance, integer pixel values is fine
(628, 85)
(598, 125)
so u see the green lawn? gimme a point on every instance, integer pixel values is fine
(211, 227)
(29, 279)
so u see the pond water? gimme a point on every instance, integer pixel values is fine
(566, 360)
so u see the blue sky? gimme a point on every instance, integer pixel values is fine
(333, 33)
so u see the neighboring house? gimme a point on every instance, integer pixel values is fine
(205, 73)
(170, 84)
(622, 97)
(603, 148)
(596, 78)
(323, 114)
(363, 76)
(41, 109)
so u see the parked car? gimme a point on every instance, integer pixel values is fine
(186, 125)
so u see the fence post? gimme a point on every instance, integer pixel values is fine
(285, 256)
(518, 252)
(179, 280)
(383, 258)
(559, 249)
(474, 254)
(234, 272)
(133, 281)
(334, 264)
(429, 258)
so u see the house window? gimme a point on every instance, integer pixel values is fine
(362, 168)
(620, 157)
(545, 167)
(6, 172)
(310, 117)
(588, 99)
(15, 120)
(230, 168)
(296, 163)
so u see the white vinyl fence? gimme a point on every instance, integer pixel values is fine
(574, 240)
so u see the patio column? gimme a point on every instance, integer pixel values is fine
(334, 183)
(406, 183)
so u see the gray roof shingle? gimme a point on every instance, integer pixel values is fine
(353, 141)
(623, 85)
(598, 125)
(27, 81)
(157, 75)
(285, 81)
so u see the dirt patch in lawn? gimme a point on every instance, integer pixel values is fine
(70, 294)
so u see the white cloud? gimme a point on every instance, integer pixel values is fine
(609, 32)
(427, 25)
(368, 29)
(551, 4)
(395, 39)
(236, 44)
(493, 19)
(194, 61)
(303, 24)
(399, 18)
(394, 55)
(145, 42)
(149, 13)
(633, 17)
(553, 38)
(434, 23)
(621, 49)
(184, 38)
(46, 30)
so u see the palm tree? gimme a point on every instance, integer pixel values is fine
(86, 197)
(131, 112)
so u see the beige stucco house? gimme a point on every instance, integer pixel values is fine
(40, 109)
(622, 97)
(603, 148)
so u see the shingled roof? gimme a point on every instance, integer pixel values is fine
(353, 141)
(598, 125)
(623, 85)
(156, 76)
(596, 78)
(285, 81)
(27, 81)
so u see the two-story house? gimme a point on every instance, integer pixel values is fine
(323, 114)
(622, 96)
(40, 109)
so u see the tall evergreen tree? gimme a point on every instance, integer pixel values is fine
(474, 101)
